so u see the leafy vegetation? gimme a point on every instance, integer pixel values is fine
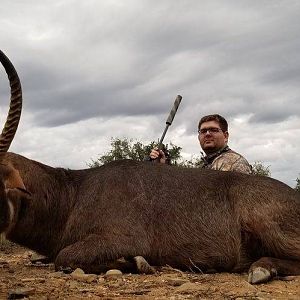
(259, 169)
(130, 149)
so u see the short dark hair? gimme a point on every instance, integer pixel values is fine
(217, 118)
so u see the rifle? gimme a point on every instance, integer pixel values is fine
(170, 119)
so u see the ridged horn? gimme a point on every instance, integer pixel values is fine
(15, 107)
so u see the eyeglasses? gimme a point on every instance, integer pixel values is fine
(212, 130)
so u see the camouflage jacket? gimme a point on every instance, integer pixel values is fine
(226, 160)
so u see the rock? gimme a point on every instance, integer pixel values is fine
(20, 293)
(101, 279)
(79, 275)
(38, 258)
(113, 273)
(78, 271)
(90, 278)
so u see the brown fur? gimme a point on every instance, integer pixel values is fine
(188, 218)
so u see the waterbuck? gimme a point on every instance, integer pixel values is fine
(190, 219)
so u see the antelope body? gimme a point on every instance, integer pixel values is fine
(190, 219)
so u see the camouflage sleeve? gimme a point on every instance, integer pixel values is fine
(242, 166)
(232, 162)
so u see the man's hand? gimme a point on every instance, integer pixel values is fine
(155, 154)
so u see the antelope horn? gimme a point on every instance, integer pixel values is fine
(15, 107)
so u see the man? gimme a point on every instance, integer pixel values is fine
(213, 137)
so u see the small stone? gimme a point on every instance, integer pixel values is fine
(20, 293)
(79, 275)
(90, 278)
(113, 273)
(78, 271)
(38, 258)
(101, 279)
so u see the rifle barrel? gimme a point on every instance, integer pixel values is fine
(170, 119)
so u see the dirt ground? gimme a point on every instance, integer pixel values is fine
(22, 279)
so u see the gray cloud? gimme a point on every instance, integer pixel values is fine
(108, 62)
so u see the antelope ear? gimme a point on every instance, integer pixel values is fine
(11, 177)
(14, 180)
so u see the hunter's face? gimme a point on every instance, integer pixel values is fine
(211, 137)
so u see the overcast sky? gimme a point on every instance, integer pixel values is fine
(93, 70)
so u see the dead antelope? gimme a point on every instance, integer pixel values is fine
(190, 219)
